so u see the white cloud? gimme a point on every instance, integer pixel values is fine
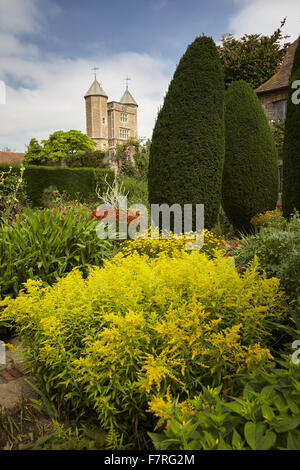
(19, 16)
(264, 16)
(57, 102)
(52, 95)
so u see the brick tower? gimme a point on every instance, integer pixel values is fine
(96, 115)
(110, 123)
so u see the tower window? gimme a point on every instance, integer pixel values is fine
(279, 109)
(124, 133)
(123, 117)
(103, 120)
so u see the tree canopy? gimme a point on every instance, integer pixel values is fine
(60, 144)
(254, 58)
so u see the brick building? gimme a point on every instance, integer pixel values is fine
(110, 123)
(11, 157)
(273, 94)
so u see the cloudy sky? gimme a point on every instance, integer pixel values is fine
(48, 48)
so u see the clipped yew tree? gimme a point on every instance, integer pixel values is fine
(291, 146)
(187, 150)
(250, 176)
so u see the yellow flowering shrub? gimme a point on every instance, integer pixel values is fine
(141, 327)
(156, 243)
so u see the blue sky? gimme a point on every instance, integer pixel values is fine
(48, 47)
(158, 27)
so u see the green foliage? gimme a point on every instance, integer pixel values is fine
(47, 244)
(278, 249)
(132, 159)
(12, 192)
(269, 219)
(68, 438)
(254, 58)
(97, 159)
(266, 416)
(277, 128)
(141, 158)
(291, 148)
(138, 327)
(34, 154)
(250, 177)
(137, 190)
(75, 181)
(187, 150)
(60, 144)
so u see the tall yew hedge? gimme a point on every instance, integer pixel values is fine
(250, 177)
(187, 150)
(291, 147)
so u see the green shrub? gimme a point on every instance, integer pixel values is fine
(137, 190)
(187, 150)
(138, 327)
(266, 416)
(278, 250)
(291, 147)
(250, 177)
(97, 159)
(48, 244)
(12, 192)
(76, 181)
(269, 219)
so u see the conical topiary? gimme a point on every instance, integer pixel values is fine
(250, 177)
(291, 146)
(187, 150)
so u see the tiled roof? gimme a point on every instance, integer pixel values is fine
(95, 90)
(127, 98)
(11, 157)
(281, 78)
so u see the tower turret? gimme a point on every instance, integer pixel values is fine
(96, 114)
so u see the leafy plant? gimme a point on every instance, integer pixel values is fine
(12, 193)
(266, 416)
(278, 250)
(153, 242)
(277, 129)
(140, 326)
(269, 219)
(48, 244)
(136, 190)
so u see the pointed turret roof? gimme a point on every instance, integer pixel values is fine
(95, 90)
(127, 98)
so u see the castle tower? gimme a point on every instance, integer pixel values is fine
(122, 119)
(96, 115)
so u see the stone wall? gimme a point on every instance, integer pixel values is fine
(268, 98)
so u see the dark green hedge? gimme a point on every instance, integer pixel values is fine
(250, 177)
(291, 147)
(72, 180)
(97, 159)
(187, 151)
